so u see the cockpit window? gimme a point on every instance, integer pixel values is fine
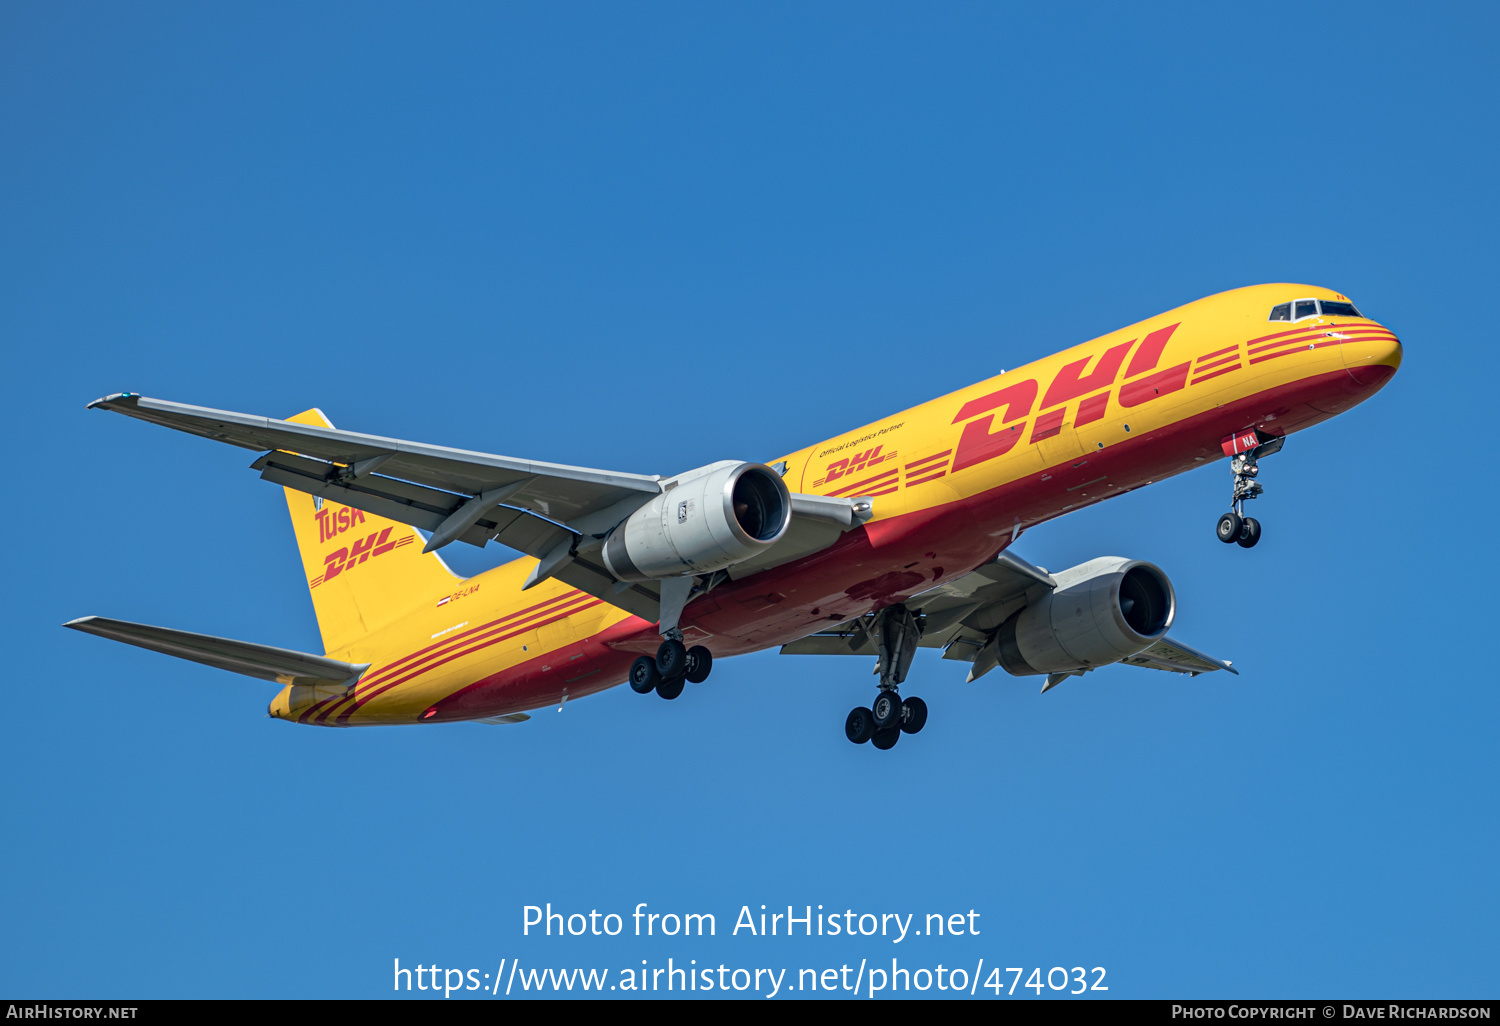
(1297, 310)
(1340, 310)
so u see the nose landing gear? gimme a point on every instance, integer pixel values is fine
(1234, 526)
(896, 632)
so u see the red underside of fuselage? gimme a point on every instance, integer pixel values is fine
(891, 560)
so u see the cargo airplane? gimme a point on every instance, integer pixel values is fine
(879, 541)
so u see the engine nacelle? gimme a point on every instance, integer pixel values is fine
(711, 518)
(1100, 612)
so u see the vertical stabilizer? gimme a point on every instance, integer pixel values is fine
(363, 571)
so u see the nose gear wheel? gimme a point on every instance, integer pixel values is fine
(1249, 533)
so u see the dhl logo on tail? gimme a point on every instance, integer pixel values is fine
(346, 558)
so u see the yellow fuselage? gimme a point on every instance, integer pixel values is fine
(954, 480)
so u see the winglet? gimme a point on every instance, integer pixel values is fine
(117, 399)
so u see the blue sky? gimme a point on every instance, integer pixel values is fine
(647, 237)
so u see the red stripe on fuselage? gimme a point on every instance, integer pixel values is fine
(1309, 327)
(414, 666)
(1218, 352)
(915, 464)
(1352, 333)
(1317, 342)
(1202, 367)
(563, 615)
(312, 709)
(372, 678)
(1216, 373)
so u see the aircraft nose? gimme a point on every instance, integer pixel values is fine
(1373, 359)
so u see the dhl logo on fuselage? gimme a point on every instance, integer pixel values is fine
(995, 423)
(981, 440)
(851, 465)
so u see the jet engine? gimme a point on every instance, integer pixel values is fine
(709, 519)
(1100, 612)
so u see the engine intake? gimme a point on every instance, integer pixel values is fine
(1101, 612)
(711, 518)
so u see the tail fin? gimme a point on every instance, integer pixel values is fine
(363, 571)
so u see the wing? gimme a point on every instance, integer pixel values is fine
(1176, 657)
(454, 493)
(958, 616)
(283, 665)
(961, 616)
(553, 512)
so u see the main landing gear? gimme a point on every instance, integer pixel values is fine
(902, 716)
(895, 632)
(1234, 526)
(674, 664)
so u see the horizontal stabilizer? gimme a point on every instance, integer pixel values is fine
(282, 665)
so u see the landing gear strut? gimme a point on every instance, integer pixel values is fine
(1234, 526)
(895, 632)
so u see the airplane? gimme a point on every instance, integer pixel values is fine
(891, 537)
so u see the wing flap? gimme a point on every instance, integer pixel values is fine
(282, 665)
(524, 531)
(277, 468)
(842, 640)
(591, 579)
